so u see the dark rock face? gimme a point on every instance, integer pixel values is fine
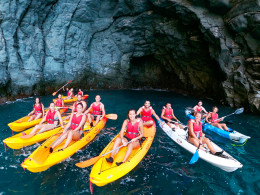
(209, 48)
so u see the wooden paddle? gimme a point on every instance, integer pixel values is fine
(61, 88)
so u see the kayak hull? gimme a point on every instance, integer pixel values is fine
(60, 155)
(74, 99)
(104, 173)
(224, 162)
(231, 135)
(22, 124)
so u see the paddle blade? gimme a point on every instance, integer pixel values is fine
(239, 111)
(41, 155)
(27, 136)
(112, 116)
(194, 158)
(88, 163)
(54, 93)
(70, 81)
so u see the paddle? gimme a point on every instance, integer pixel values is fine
(111, 116)
(92, 161)
(61, 88)
(195, 156)
(238, 111)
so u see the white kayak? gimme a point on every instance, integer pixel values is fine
(224, 161)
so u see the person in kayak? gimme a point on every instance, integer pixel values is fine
(212, 118)
(70, 94)
(196, 137)
(134, 132)
(167, 115)
(38, 110)
(146, 112)
(79, 100)
(59, 101)
(73, 129)
(80, 92)
(199, 108)
(97, 113)
(52, 117)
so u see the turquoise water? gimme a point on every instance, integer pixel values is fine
(165, 168)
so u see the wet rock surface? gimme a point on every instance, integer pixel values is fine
(205, 48)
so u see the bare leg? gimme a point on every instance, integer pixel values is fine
(148, 123)
(97, 120)
(193, 141)
(60, 139)
(210, 146)
(89, 118)
(38, 116)
(130, 148)
(31, 118)
(116, 144)
(224, 126)
(33, 131)
(217, 125)
(46, 128)
(69, 138)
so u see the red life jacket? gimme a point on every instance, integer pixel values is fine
(37, 109)
(50, 117)
(75, 121)
(69, 94)
(59, 102)
(214, 117)
(147, 115)
(198, 109)
(80, 93)
(132, 131)
(197, 129)
(96, 109)
(168, 113)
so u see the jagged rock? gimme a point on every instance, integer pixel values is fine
(206, 48)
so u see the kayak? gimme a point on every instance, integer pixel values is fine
(231, 134)
(74, 99)
(59, 155)
(22, 124)
(103, 172)
(224, 161)
(16, 142)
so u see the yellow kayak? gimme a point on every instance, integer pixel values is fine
(16, 142)
(22, 124)
(59, 155)
(103, 172)
(74, 99)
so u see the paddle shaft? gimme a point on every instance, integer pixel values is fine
(115, 149)
(63, 86)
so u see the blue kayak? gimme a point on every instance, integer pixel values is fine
(231, 134)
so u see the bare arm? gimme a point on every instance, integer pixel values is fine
(62, 103)
(87, 111)
(123, 129)
(103, 110)
(43, 112)
(155, 115)
(44, 118)
(162, 115)
(204, 110)
(73, 109)
(207, 118)
(175, 117)
(139, 111)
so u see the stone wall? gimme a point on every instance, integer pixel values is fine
(207, 48)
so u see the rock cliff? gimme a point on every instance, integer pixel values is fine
(204, 47)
